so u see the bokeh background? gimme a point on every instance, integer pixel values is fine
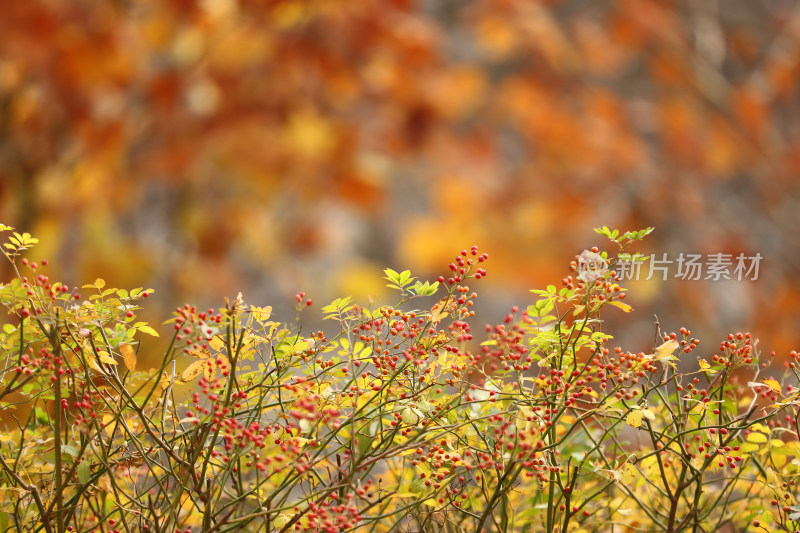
(203, 147)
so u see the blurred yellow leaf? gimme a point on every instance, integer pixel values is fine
(772, 384)
(108, 425)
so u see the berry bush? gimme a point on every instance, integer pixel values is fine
(400, 417)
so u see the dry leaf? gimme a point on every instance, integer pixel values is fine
(202, 353)
(193, 371)
(209, 369)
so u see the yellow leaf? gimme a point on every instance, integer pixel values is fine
(105, 358)
(634, 418)
(107, 424)
(442, 308)
(778, 460)
(772, 384)
(666, 349)
(626, 474)
(705, 366)
(748, 447)
(92, 360)
(98, 284)
(128, 356)
(438, 340)
(757, 438)
(622, 305)
(281, 520)
(648, 414)
(260, 313)
(217, 343)
(148, 330)
(202, 353)
(192, 371)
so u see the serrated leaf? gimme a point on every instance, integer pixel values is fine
(128, 356)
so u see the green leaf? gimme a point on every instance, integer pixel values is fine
(41, 416)
(417, 486)
(337, 307)
(71, 450)
(392, 275)
(84, 471)
(426, 289)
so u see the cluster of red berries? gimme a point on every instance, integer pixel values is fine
(736, 350)
(195, 327)
(462, 265)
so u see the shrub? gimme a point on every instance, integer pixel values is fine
(395, 420)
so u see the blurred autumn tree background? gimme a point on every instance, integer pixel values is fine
(202, 147)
